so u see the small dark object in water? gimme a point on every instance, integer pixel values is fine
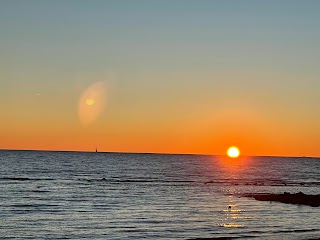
(229, 207)
(103, 179)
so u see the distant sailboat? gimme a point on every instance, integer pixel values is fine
(96, 150)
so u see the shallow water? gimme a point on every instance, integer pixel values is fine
(62, 195)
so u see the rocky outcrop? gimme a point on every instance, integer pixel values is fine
(294, 198)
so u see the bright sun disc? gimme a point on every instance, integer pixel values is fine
(233, 152)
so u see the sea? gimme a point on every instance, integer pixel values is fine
(88, 195)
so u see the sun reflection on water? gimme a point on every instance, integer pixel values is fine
(233, 215)
(232, 225)
(233, 165)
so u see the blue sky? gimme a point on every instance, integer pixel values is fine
(171, 61)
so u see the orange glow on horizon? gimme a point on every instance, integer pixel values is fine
(118, 132)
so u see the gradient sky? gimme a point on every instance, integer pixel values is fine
(178, 76)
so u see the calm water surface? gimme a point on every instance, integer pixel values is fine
(70, 195)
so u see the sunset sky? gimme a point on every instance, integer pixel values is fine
(161, 76)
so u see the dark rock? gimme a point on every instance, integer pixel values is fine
(294, 198)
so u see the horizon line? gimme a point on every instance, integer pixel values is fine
(159, 153)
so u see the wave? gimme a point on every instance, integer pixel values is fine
(33, 205)
(15, 178)
(136, 180)
(214, 238)
(264, 182)
(40, 191)
(220, 238)
(297, 231)
(230, 182)
(23, 179)
(259, 232)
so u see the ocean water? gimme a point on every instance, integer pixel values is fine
(73, 195)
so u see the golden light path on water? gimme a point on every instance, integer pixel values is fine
(231, 168)
(92, 102)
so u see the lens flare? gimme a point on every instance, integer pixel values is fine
(89, 101)
(92, 102)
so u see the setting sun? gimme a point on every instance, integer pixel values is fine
(233, 152)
